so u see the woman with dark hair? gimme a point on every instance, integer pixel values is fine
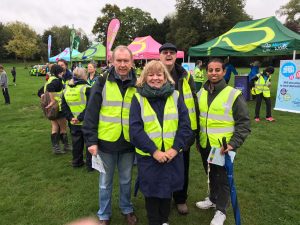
(223, 114)
(55, 86)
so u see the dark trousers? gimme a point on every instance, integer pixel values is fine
(14, 78)
(259, 98)
(158, 210)
(78, 146)
(180, 197)
(219, 187)
(6, 95)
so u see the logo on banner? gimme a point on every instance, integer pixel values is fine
(288, 69)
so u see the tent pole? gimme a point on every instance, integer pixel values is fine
(294, 55)
(189, 58)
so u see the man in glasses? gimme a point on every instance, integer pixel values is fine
(184, 83)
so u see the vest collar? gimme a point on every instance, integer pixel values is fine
(217, 87)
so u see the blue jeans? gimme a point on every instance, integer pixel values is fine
(124, 163)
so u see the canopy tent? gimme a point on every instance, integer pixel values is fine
(263, 37)
(65, 54)
(147, 48)
(95, 52)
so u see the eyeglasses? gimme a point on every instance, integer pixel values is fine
(166, 52)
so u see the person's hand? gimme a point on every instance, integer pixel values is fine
(93, 149)
(160, 156)
(50, 104)
(171, 153)
(229, 148)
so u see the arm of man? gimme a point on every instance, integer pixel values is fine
(92, 112)
(184, 131)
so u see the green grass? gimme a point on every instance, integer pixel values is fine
(37, 187)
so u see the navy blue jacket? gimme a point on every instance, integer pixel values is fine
(158, 179)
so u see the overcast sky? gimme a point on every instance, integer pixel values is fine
(43, 14)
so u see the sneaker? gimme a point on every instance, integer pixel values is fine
(131, 218)
(165, 224)
(182, 209)
(257, 119)
(206, 204)
(218, 219)
(270, 119)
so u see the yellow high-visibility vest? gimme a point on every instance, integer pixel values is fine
(114, 112)
(189, 101)
(261, 86)
(164, 135)
(198, 74)
(216, 121)
(76, 99)
(57, 95)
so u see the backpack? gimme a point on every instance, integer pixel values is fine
(52, 112)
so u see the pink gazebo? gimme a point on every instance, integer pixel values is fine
(147, 48)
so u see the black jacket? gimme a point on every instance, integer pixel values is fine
(91, 119)
(240, 114)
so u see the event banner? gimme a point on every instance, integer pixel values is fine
(111, 34)
(49, 46)
(288, 90)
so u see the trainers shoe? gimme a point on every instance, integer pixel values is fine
(206, 204)
(218, 219)
(257, 119)
(182, 209)
(270, 119)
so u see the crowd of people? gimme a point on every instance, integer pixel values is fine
(154, 117)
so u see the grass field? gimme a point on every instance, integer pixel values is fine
(37, 187)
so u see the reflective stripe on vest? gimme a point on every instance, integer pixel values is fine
(189, 101)
(57, 95)
(76, 99)
(216, 121)
(114, 112)
(161, 136)
(261, 86)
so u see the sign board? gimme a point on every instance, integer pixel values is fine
(288, 90)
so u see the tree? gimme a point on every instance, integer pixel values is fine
(6, 35)
(292, 12)
(197, 21)
(61, 39)
(157, 30)
(133, 20)
(24, 41)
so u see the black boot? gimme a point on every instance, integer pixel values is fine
(55, 144)
(64, 139)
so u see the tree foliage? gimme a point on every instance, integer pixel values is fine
(5, 36)
(292, 12)
(133, 20)
(197, 21)
(24, 41)
(61, 39)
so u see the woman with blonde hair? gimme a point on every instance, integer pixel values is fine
(159, 125)
(74, 102)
